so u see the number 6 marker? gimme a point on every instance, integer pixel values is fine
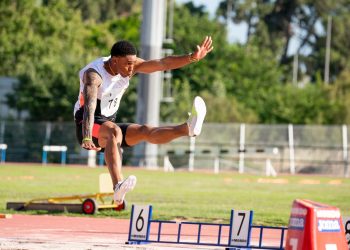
(140, 223)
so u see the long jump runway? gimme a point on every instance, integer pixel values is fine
(61, 232)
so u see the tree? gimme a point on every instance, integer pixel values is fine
(230, 75)
(51, 45)
(105, 10)
(242, 11)
(339, 43)
(310, 105)
(341, 92)
(46, 43)
(272, 24)
(32, 49)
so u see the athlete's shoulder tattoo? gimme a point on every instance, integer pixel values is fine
(91, 76)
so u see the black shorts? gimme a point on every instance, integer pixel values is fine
(97, 123)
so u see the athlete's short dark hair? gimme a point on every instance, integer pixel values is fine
(123, 48)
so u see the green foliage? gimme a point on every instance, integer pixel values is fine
(105, 10)
(272, 24)
(210, 77)
(309, 105)
(176, 111)
(45, 43)
(341, 92)
(201, 74)
(127, 28)
(34, 50)
(227, 109)
(45, 46)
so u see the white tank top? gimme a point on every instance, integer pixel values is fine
(109, 92)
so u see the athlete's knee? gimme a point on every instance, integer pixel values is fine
(115, 133)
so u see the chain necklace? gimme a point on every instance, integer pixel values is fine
(109, 65)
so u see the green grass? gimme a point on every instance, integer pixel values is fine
(194, 196)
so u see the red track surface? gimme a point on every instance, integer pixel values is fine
(61, 232)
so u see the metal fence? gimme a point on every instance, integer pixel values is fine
(263, 149)
(253, 148)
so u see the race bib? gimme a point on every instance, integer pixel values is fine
(110, 101)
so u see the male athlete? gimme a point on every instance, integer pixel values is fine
(102, 84)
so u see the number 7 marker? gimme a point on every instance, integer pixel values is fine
(240, 228)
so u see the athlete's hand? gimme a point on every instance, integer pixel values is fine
(203, 49)
(89, 145)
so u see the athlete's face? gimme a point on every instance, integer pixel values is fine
(125, 65)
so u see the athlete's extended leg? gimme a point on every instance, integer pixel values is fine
(110, 137)
(136, 133)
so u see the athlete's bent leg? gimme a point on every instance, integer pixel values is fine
(110, 137)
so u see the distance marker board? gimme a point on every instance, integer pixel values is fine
(140, 222)
(141, 219)
(240, 228)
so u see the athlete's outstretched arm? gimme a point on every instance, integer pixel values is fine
(92, 80)
(174, 62)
